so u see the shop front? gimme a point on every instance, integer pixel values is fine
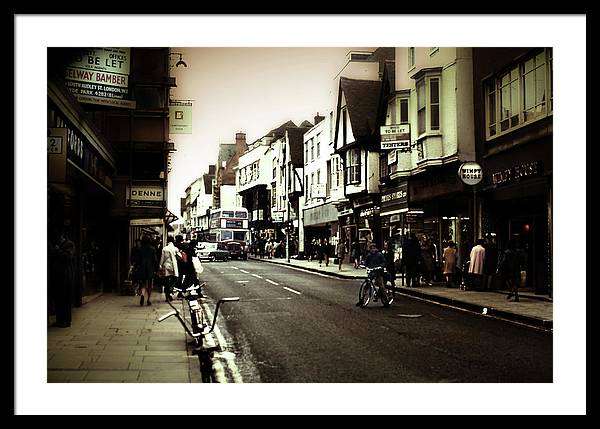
(320, 222)
(517, 205)
(79, 193)
(442, 210)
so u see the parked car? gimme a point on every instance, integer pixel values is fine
(236, 249)
(212, 251)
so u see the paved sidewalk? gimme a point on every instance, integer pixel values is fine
(532, 310)
(114, 340)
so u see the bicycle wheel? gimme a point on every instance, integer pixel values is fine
(364, 293)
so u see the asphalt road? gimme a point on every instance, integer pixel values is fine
(292, 326)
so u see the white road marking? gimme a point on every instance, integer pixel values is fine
(272, 282)
(241, 281)
(257, 276)
(292, 290)
(235, 268)
(228, 357)
(244, 271)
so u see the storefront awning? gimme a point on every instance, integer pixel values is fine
(170, 217)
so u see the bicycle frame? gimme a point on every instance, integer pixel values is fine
(365, 295)
(198, 327)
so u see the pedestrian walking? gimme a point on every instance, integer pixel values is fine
(341, 252)
(427, 260)
(135, 261)
(324, 252)
(148, 267)
(62, 276)
(449, 259)
(491, 262)
(410, 260)
(476, 262)
(355, 253)
(509, 270)
(169, 267)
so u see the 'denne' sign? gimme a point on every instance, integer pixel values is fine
(470, 173)
(147, 196)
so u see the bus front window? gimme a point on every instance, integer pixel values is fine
(226, 235)
(239, 235)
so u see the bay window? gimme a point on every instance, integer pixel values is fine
(519, 94)
(353, 166)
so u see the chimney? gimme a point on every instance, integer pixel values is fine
(318, 118)
(240, 143)
(212, 169)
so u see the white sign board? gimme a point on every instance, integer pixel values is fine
(470, 173)
(395, 137)
(319, 190)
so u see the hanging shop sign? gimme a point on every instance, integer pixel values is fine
(395, 137)
(145, 196)
(180, 117)
(100, 76)
(470, 173)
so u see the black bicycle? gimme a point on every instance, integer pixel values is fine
(196, 324)
(369, 291)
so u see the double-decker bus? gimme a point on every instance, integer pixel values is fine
(230, 226)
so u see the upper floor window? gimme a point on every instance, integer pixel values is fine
(397, 112)
(305, 153)
(312, 149)
(319, 145)
(411, 58)
(353, 166)
(428, 104)
(519, 94)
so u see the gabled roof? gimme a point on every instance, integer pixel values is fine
(362, 101)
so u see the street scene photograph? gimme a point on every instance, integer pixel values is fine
(308, 220)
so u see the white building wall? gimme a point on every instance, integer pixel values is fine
(456, 137)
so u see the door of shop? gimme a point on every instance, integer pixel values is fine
(530, 235)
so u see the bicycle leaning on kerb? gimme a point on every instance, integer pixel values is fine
(195, 322)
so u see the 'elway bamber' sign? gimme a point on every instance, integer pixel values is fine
(100, 76)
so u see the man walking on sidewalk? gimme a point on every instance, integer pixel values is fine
(168, 266)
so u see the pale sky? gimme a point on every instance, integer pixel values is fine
(250, 90)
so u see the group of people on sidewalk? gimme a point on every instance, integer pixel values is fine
(175, 266)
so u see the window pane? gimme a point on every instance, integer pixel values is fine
(421, 119)
(420, 95)
(514, 98)
(529, 91)
(505, 102)
(492, 108)
(529, 65)
(435, 117)
(434, 95)
(404, 111)
(540, 85)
